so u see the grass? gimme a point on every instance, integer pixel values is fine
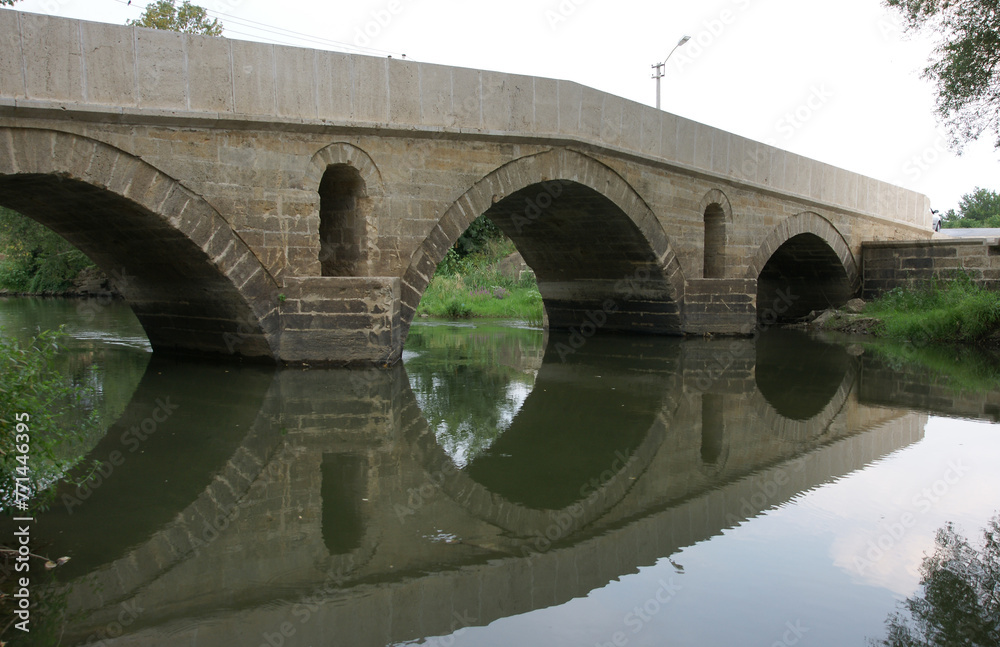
(962, 368)
(474, 286)
(958, 311)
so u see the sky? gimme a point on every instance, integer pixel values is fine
(835, 81)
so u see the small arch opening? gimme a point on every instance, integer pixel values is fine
(341, 221)
(344, 487)
(715, 242)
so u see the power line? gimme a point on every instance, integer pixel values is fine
(279, 32)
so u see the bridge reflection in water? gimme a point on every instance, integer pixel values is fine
(329, 505)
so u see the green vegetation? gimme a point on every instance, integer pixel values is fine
(36, 259)
(961, 368)
(963, 65)
(189, 18)
(957, 312)
(42, 411)
(958, 603)
(469, 281)
(497, 361)
(981, 208)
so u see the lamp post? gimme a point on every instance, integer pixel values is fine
(658, 74)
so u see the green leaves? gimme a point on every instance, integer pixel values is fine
(965, 64)
(32, 384)
(188, 19)
(36, 259)
(981, 208)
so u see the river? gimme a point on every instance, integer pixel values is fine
(504, 486)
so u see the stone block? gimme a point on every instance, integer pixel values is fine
(668, 136)
(334, 86)
(467, 98)
(611, 120)
(253, 83)
(591, 113)
(720, 151)
(11, 67)
(53, 61)
(295, 82)
(403, 91)
(546, 114)
(570, 106)
(210, 74)
(435, 95)
(703, 142)
(162, 80)
(109, 63)
(685, 151)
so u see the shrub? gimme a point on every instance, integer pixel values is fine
(35, 392)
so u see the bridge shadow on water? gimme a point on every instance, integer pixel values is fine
(485, 476)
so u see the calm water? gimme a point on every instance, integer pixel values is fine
(638, 491)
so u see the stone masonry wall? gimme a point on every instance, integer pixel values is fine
(912, 264)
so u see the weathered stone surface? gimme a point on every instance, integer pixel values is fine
(915, 264)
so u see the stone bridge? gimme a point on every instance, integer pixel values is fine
(326, 492)
(292, 204)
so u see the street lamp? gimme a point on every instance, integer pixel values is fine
(658, 74)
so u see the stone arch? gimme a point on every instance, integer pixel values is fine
(349, 187)
(717, 213)
(344, 153)
(800, 431)
(192, 282)
(661, 390)
(522, 196)
(804, 264)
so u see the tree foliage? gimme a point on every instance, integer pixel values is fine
(189, 18)
(960, 599)
(981, 208)
(50, 406)
(7, 3)
(964, 63)
(35, 259)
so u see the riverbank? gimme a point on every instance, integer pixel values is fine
(956, 312)
(90, 282)
(493, 283)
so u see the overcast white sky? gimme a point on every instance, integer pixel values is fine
(835, 80)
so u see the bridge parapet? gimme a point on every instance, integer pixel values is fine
(95, 71)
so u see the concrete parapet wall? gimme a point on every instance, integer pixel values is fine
(131, 74)
(912, 264)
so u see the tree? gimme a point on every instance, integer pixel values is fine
(964, 63)
(189, 18)
(35, 259)
(981, 208)
(7, 3)
(960, 600)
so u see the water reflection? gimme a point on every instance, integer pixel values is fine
(958, 604)
(481, 479)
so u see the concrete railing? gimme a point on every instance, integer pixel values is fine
(126, 74)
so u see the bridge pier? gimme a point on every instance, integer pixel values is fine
(342, 320)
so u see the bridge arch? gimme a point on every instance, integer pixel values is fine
(718, 220)
(804, 264)
(597, 249)
(194, 285)
(349, 185)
